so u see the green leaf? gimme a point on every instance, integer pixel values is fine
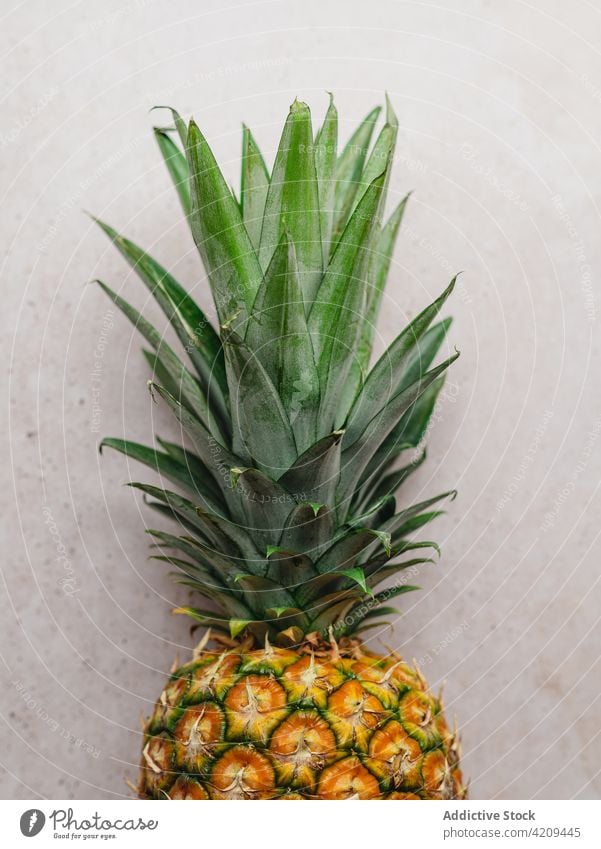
(193, 570)
(382, 610)
(220, 567)
(377, 576)
(183, 525)
(201, 589)
(188, 388)
(349, 168)
(262, 432)
(196, 480)
(254, 186)
(334, 611)
(396, 369)
(409, 432)
(414, 524)
(286, 612)
(179, 124)
(402, 546)
(344, 551)
(382, 153)
(413, 426)
(237, 626)
(219, 232)
(424, 353)
(265, 505)
(308, 530)
(393, 592)
(289, 568)
(293, 201)
(218, 459)
(376, 513)
(391, 483)
(400, 519)
(315, 474)
(372, 608)
(325, 590)
(227, 537)
(326, 142)
(398, 526)
(379, 274)
(265, 594)
(185, 509)
(192, 326)
(357, 458)
(208, 618)
(370, 626)
(353, 623)
(198, 472)
(159, 371)
(357, 575)
(177, 166)
(277, 334)
(336, 316)
(237, 535)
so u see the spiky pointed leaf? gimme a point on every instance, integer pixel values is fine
(254, 187)
(179, 125)
(189, 390)
(315, 474)
(336, 316)
(378, 276)
(184, 508)
(308, 529)
(219, 232)
(216, 457)
(349, 168)
(262, 433)
(378, 576)
(191, 325)
(391, 483)
(293, 201)
(344, 552)
(358, 456)
(399, 366)
(326, 142)
(383, 151)
(265, 505)
(408, 434)
(289, 568)
(196, 479)
(206, 618)
(177, 166)
(265, 594)
(277, 333)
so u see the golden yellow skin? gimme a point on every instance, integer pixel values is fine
(278, 723)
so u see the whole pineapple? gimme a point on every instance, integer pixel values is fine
(289, 519)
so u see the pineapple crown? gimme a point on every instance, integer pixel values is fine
(287, 482)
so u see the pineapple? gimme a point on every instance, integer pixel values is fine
(285, 491)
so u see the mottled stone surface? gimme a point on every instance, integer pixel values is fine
(500, 120)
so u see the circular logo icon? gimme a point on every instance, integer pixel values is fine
(32, 822)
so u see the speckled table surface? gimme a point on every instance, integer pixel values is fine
(500, 121)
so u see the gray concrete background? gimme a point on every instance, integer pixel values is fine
(500, 122)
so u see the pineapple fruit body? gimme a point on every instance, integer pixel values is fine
(284, 723)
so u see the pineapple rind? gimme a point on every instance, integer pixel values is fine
(299, 723)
